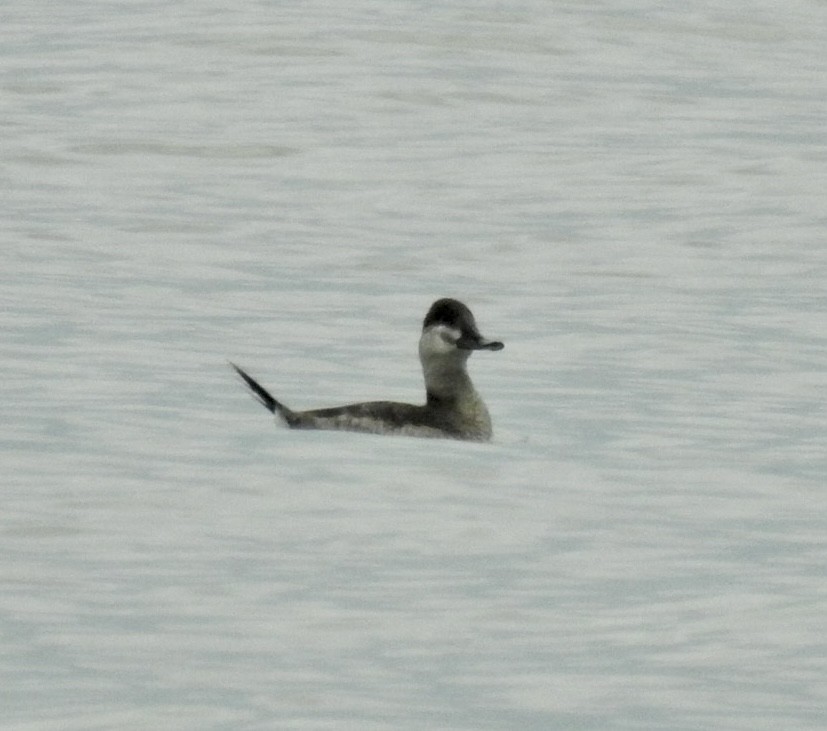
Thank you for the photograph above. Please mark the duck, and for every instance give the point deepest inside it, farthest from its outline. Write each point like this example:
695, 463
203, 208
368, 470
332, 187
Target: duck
453, 408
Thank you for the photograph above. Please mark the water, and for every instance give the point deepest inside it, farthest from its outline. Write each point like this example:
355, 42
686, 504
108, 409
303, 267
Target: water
630, 195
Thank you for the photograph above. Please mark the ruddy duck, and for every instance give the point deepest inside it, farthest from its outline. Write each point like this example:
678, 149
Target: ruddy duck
453, 410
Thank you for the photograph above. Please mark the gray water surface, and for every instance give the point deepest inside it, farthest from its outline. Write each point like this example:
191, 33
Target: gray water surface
629, 194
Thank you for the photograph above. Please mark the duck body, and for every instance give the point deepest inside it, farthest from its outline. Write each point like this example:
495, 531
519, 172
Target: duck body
453, 409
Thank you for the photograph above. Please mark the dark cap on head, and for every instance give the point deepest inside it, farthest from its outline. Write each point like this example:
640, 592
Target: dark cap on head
455, 314
449, 312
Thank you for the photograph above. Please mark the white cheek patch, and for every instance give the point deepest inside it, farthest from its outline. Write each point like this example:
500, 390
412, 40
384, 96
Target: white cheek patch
438, 341
448, 334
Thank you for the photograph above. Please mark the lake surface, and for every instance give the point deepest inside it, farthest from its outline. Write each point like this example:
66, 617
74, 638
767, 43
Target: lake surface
630, 194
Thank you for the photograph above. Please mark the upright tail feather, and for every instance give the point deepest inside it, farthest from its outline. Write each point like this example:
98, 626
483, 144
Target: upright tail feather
263, 395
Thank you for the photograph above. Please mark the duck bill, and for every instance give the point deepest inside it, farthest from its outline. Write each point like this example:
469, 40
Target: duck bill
478, 342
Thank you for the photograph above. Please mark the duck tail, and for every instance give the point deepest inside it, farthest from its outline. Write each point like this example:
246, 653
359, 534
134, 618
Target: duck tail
263, 395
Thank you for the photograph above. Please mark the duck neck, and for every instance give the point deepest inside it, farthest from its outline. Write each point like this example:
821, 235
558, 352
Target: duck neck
447, 381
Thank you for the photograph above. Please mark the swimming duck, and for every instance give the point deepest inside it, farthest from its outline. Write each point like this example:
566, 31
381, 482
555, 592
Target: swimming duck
453, 409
